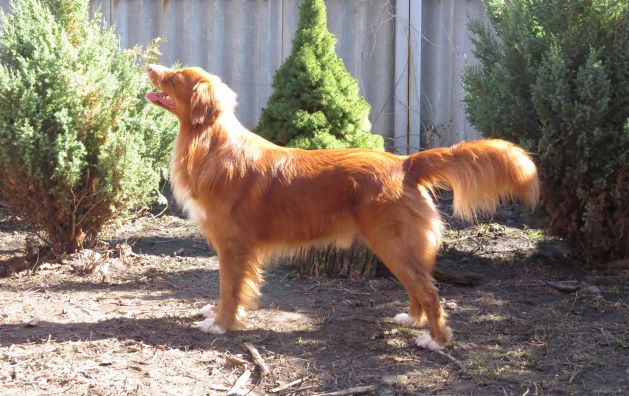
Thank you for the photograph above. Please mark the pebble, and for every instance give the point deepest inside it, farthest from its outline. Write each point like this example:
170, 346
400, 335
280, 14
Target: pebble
451, 305
32, 323
48, 266
394, 379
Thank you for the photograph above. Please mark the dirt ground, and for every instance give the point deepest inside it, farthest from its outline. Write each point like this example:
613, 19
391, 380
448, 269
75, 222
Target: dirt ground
128, 327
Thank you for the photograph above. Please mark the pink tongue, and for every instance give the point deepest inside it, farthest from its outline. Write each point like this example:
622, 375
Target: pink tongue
162, 99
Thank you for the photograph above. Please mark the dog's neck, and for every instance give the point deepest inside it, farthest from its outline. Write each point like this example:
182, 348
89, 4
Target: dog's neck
219, 131
223, 136
229, 124
231, 149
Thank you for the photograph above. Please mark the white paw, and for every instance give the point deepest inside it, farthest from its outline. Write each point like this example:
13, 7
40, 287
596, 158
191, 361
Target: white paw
426, 341
405, 319
208, 311
208, 326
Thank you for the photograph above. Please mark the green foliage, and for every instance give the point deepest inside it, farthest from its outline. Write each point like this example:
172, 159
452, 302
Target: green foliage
79, 146
555, 77
316, 102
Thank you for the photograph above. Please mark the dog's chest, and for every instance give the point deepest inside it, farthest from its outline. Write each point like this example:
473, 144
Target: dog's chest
181, 190
195, 211
191, 206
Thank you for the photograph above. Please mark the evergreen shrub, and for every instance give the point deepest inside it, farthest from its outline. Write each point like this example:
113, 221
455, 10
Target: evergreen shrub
79, 146
554, 76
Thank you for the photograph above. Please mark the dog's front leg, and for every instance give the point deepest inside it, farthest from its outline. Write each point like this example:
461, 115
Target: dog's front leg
240, 277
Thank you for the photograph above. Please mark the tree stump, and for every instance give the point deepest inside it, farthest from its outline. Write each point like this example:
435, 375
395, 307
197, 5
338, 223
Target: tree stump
355, 262
358, 262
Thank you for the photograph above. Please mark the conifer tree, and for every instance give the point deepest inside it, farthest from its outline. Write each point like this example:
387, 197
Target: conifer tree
316, 102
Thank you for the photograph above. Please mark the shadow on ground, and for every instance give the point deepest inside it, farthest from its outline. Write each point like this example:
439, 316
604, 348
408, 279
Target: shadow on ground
513, 332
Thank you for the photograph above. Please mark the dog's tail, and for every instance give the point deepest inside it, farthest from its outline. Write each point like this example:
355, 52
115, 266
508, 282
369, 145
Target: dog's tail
480, 173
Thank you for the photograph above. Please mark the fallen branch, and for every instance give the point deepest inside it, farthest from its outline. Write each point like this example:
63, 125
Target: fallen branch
564, 286
455, 361
350, 391
237, 388
280, 388
303, 388
257, 359
577, 370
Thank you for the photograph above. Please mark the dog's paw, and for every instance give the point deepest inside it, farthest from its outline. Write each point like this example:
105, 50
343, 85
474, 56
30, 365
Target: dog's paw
426, 341
208, 311
208, 326
405, 319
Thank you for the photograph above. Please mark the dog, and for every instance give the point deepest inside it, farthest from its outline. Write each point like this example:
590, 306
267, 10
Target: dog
254, 200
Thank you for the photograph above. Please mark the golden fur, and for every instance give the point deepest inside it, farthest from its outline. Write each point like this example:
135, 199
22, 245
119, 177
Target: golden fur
253, 199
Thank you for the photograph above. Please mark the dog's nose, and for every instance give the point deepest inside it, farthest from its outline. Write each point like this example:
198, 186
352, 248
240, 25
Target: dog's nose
156, 69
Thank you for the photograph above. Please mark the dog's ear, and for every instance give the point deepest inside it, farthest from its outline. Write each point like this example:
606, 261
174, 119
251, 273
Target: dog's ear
209, 100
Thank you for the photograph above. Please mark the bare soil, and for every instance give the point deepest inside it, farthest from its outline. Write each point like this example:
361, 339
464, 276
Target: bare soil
123, 323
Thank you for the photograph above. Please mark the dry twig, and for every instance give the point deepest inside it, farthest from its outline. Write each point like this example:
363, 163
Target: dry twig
577, 370
286, 386
219, 387
303, 388
233, 360
237, 388
455, 361
257, 359
350, 391
564, 286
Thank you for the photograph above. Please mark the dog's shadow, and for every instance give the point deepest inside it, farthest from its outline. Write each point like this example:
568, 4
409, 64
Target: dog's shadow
335, 327
363, 306
328, 306
337, 319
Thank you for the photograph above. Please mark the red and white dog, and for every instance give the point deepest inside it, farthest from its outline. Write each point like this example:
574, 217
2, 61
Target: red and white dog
253, 199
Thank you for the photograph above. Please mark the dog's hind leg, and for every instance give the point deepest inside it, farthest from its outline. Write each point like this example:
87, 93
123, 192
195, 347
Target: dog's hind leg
426, 292
408, 248
411, 271
240, 278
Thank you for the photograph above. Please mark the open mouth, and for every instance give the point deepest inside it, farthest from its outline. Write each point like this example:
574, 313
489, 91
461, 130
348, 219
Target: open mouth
161, 99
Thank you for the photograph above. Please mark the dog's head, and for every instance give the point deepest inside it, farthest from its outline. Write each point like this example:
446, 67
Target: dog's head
191, 94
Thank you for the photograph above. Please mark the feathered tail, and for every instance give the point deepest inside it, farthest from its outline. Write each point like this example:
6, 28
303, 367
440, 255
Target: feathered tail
480, 173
